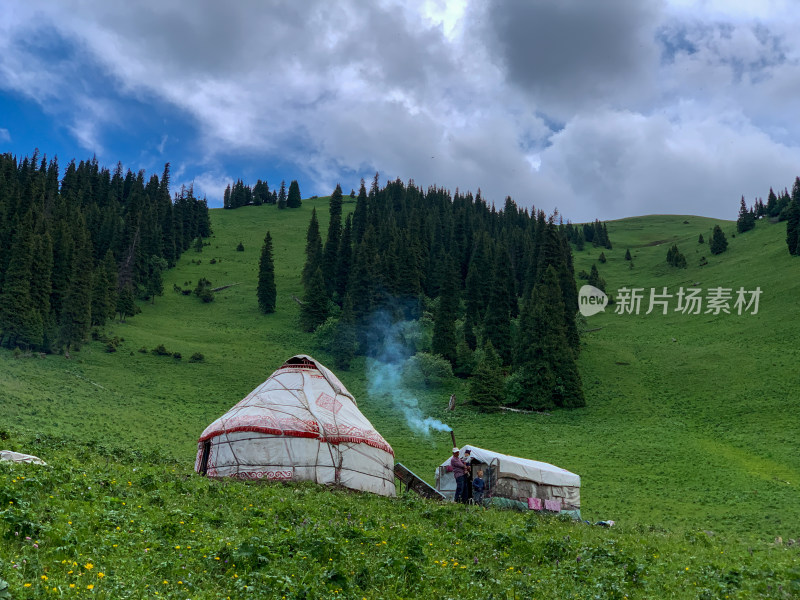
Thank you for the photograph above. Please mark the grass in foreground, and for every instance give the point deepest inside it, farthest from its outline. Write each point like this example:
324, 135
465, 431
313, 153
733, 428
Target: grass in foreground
104, 523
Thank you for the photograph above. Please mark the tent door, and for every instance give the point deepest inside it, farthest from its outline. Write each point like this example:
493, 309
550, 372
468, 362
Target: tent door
491, 477
204, 458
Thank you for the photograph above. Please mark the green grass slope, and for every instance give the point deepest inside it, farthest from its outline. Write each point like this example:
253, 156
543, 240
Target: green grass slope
121, 524
699, 411
699, 433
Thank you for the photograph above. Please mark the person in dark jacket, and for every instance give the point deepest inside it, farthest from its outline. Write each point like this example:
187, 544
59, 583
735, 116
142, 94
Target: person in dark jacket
460, 473
478, 486
467, 476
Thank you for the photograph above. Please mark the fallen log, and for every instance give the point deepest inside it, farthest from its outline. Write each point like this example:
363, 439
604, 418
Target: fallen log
526, 412
225, 287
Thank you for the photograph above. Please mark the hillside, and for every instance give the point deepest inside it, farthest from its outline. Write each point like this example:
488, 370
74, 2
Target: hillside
118, 524
699, 433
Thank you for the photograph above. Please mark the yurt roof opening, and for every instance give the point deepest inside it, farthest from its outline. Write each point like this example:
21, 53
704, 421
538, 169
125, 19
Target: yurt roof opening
301, 424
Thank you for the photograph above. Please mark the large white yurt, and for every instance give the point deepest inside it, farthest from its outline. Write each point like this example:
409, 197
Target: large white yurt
301, 424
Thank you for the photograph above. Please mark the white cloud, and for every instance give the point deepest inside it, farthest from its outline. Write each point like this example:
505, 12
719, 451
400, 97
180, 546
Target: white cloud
211, 185
621, 163
5, 136
612, 110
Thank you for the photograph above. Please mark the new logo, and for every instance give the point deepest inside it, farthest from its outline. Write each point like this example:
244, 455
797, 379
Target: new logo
591, 300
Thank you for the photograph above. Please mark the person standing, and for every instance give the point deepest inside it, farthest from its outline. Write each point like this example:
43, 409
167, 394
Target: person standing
478, 486
460, 473
467, 476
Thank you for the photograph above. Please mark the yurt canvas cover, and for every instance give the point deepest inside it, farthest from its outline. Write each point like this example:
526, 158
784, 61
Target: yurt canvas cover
301, 424
516, 478
18, 457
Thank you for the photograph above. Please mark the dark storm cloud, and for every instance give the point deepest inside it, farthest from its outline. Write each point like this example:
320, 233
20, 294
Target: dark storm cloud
572, 53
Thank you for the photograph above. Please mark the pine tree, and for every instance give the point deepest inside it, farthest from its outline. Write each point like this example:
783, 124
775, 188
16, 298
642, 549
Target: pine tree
497, 320
470, 338
595, 279
282, 196
164, 205
465, 359
345, 259
126, 306
628, 254
479, 282
444, 324
486, 385
62, 259
718, 242
409, 278
793, 220
293, 199
267, 293
261, 193
330, 255
110, 267
360, 215
17, 318
155, 280
313, 249
772, 204
345, 339
76, 313
675, 258
793, 228
602, 257
315, 309
746, 220
362, 281
783, 205
606, 240
700, 239
542, 352
41, 287
100, 296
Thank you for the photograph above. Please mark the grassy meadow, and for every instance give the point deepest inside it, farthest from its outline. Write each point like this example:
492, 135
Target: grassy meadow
116, 524
690, 430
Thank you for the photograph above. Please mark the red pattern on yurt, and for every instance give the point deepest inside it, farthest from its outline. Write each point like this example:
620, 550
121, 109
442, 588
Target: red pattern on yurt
291, 426
272, 475
343, 434
329, 402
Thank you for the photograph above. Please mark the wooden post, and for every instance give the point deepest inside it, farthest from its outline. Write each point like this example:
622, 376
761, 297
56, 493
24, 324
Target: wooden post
453, 435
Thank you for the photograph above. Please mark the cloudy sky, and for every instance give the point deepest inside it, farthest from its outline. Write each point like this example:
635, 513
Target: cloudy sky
601, 109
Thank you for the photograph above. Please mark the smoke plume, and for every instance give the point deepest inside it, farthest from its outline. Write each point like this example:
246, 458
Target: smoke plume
390, 350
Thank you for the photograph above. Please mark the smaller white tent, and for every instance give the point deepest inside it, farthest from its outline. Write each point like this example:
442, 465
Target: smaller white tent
301, 424
516, 478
